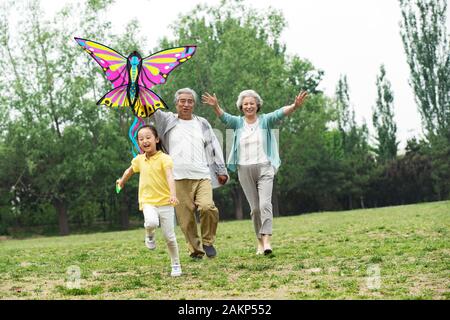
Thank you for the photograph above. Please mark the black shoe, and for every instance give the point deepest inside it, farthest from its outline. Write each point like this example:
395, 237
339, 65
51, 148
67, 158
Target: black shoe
210, 250
196, 256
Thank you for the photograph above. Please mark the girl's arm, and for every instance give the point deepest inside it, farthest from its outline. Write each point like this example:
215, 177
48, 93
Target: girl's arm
171, 181
126, 175
288, 110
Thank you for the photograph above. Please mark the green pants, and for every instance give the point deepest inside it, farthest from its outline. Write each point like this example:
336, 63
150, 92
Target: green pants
196, 195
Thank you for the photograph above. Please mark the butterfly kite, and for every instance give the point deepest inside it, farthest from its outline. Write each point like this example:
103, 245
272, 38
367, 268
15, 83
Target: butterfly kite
133, 76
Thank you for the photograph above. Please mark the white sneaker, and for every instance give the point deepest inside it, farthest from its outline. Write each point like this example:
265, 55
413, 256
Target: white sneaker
176, 270
150, 242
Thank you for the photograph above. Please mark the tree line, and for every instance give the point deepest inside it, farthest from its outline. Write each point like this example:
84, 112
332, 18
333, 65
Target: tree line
60, 154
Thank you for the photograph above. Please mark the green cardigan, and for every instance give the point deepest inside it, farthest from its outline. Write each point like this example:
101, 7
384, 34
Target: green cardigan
266, 122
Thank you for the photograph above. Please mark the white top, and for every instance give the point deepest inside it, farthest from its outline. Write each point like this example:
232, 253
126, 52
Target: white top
251, 148
187, 151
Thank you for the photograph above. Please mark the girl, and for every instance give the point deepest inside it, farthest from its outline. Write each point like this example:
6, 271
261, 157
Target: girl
157, 194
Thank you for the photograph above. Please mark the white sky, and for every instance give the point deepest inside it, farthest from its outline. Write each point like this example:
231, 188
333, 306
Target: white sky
351, 37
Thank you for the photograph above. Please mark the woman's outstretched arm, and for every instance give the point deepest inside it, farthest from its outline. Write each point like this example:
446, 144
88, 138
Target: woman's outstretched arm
299, 100
212, 101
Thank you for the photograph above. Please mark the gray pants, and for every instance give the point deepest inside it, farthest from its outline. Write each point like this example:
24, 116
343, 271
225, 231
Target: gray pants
257, 183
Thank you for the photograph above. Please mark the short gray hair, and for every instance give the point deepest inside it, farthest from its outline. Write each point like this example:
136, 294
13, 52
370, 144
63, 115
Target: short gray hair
249, 93
185, 91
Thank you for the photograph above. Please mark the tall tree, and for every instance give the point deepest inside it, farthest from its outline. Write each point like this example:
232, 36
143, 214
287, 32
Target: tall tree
427, 46
356, 160
346, 116
311, 170
62, 138
383, 119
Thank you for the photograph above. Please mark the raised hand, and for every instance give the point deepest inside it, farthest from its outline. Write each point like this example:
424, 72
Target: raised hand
210, 99
300, 99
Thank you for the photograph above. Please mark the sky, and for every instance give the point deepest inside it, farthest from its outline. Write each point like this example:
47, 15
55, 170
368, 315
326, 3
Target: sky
340, 37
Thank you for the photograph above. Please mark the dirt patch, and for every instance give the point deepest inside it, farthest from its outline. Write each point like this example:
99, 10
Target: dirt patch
29, 288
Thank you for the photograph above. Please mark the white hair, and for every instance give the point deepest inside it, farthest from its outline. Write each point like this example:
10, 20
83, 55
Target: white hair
249, 93
185, 91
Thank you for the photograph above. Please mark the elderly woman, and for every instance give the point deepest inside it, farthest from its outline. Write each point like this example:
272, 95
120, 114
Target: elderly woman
255, 155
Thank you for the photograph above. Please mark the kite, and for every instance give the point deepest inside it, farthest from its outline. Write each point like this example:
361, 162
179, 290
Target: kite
133, 76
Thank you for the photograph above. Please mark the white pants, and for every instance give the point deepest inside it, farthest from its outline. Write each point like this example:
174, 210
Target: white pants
165, 215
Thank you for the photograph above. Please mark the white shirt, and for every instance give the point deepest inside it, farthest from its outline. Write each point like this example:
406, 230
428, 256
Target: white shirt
251, 149
187, 151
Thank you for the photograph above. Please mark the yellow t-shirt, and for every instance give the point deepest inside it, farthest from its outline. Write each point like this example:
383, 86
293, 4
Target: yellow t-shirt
153, 185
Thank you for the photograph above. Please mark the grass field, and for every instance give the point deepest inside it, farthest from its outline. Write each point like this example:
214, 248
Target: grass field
388, 253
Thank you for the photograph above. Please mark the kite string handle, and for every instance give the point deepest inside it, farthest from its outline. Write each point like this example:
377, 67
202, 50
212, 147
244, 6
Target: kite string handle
118, 188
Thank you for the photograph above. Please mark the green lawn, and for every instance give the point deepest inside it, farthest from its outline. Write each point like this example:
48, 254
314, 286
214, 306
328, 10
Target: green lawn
329, 255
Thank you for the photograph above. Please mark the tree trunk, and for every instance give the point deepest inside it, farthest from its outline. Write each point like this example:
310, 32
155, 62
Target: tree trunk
103, 206
362, 202
238, 195
63, 219
124, 214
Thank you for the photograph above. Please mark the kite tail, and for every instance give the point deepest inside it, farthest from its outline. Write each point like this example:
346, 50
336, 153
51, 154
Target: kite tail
132, 133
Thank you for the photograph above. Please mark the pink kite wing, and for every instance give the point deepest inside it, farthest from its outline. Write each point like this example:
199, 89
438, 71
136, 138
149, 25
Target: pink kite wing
113, 63
156, 67
147, 103
117, 97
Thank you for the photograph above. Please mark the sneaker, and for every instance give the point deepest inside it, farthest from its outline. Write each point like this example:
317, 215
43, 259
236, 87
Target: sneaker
150, 242
176, 270
209, 250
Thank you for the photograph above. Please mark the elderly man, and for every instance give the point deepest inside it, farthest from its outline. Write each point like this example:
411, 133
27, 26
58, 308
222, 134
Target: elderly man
198, 167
